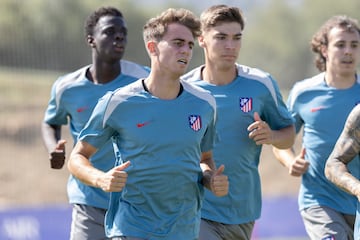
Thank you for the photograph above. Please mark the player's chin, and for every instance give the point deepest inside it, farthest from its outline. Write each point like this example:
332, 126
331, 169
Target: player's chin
221, 194
116, 53
179, 72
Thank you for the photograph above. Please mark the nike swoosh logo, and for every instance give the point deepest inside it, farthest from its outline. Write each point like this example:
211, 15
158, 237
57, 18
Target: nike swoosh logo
140, 125
81, 109
317, 109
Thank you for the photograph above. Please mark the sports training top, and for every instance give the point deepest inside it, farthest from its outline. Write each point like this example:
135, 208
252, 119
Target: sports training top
251, 91
322, 110
73, 97
163, 139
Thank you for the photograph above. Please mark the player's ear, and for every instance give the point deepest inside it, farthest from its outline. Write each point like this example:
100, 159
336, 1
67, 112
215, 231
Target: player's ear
151, 46
201, 41
323, 50
90, 41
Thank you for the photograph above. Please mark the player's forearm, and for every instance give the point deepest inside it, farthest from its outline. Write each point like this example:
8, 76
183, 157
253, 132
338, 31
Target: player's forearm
284, 138
80, 166
284, 156
50, 136
337, 172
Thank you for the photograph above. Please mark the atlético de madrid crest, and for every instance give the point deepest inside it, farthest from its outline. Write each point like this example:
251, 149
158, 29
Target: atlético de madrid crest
246, 104
195, 122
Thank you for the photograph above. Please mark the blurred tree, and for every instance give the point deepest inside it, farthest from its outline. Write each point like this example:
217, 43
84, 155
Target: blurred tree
42, 34
278, 39
49, 34
277, 43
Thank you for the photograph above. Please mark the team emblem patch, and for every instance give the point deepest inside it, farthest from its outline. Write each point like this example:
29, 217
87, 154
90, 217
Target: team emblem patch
195, 122
246, 104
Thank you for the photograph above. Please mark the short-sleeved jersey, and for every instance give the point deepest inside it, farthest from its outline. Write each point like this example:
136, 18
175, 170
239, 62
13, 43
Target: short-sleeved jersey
357, 223
251, 91
164, 140
322, 111
73, 98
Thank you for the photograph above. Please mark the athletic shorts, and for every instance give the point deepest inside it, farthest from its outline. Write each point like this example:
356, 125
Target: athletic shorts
87, 223
210, 230
323, 223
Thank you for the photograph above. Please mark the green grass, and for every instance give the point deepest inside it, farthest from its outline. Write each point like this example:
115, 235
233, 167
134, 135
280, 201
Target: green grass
25, 87
24, 95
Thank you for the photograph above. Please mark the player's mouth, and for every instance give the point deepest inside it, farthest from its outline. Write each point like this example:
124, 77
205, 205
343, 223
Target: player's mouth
347, 61
118, 47
229, 57
183, 61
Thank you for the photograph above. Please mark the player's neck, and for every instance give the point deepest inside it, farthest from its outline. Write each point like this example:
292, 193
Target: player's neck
104, 73
340, 81
219, 76
162, 88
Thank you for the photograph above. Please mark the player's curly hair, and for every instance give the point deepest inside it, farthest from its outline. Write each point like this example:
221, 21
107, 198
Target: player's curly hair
321, 37
93, 18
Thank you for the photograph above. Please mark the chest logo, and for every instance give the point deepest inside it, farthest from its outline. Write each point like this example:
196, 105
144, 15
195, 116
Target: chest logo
140, 125
316, 109
195, 122
246, 104
81, 109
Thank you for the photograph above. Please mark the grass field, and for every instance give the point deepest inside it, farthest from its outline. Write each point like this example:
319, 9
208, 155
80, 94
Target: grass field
25, 173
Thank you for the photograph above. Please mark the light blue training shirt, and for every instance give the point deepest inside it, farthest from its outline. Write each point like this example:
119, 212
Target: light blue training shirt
322, 111
73, 98
251, 91
164, 140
